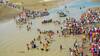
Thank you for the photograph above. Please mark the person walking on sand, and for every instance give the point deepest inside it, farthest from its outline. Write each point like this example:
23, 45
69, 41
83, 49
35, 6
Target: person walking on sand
28, 48
46, 46
71, 51
61, 47
39, 38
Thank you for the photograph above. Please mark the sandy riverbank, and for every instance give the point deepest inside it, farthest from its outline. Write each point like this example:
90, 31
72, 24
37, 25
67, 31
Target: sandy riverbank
6, 12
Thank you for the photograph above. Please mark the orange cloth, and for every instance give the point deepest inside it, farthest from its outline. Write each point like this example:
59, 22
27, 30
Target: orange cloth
93, 35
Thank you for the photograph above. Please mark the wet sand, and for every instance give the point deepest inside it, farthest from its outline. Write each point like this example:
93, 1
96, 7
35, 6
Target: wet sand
13, 40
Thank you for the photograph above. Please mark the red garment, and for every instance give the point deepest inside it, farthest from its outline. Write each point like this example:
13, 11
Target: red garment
92, 51
98, 31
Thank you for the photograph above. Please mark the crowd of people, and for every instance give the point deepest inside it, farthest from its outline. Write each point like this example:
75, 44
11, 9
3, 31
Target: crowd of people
40, 43
24, 15
28, 12
10, 4
71, 26
94, 37
77, 49
92, 32
91, 16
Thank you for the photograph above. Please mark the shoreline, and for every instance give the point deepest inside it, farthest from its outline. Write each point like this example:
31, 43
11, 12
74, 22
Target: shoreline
40, 7
6, 12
